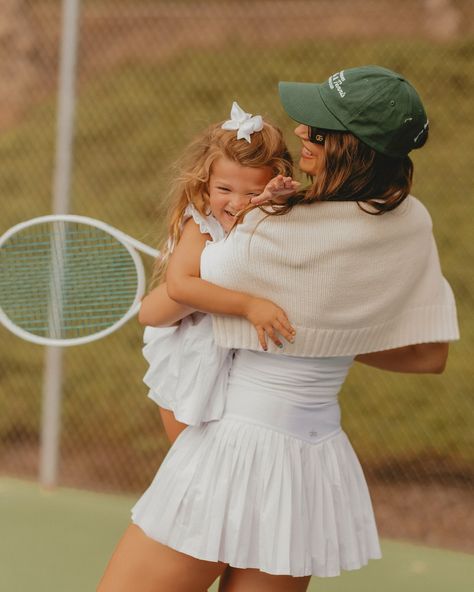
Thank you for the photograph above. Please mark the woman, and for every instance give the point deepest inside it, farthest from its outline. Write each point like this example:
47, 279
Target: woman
273, 493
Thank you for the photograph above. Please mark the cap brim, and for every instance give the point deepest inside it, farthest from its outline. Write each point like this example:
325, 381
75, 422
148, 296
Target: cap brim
303, 103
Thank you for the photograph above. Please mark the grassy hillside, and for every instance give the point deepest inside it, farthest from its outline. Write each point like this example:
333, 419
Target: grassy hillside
131, 123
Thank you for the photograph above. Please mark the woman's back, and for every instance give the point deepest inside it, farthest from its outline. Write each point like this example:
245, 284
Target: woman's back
311, 381
350, 282
293, 395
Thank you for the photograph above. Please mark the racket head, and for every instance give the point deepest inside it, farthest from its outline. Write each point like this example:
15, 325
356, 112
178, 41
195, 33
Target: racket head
67, 280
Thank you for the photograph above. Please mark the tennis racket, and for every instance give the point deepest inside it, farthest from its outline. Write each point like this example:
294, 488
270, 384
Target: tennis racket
67, 280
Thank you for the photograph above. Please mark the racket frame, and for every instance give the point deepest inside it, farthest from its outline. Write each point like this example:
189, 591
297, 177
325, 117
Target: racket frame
129, 243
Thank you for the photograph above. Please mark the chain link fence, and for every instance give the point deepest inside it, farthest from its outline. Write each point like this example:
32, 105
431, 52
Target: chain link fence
150, 75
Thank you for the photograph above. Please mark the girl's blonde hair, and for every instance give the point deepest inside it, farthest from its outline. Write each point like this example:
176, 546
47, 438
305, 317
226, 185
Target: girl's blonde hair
193, 169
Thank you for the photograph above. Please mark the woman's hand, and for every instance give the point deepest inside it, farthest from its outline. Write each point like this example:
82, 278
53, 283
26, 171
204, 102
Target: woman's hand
277, 190
268, 319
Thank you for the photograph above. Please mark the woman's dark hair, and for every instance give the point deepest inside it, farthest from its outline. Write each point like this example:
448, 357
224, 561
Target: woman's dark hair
352, 171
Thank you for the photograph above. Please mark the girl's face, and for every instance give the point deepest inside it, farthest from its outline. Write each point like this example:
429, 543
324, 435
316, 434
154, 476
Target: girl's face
231, 186
312, 155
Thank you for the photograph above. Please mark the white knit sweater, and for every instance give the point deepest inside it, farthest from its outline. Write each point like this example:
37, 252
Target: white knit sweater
349, 282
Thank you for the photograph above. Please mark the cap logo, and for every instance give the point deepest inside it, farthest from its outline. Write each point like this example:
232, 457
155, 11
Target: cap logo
335, 82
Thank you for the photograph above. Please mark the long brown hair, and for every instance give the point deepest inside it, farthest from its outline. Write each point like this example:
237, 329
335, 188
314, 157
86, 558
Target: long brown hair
192, 171
352, 171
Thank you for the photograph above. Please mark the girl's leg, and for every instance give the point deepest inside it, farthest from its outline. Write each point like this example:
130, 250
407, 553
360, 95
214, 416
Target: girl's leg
140, 564
252, 580
173, 427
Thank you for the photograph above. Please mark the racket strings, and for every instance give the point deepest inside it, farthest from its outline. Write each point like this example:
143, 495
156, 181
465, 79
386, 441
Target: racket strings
65, 279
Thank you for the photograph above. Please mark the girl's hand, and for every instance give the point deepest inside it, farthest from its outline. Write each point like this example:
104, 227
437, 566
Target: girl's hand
268, 318
277, 189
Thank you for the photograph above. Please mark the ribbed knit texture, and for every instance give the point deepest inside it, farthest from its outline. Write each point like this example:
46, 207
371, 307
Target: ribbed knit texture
349, 282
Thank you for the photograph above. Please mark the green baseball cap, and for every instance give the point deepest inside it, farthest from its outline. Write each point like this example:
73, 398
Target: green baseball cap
377, 105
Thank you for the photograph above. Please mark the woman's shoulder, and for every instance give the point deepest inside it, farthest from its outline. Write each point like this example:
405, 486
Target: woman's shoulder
337, 211
335, 218
418, 208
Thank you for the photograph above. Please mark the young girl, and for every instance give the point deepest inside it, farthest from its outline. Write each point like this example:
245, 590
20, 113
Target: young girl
217, 176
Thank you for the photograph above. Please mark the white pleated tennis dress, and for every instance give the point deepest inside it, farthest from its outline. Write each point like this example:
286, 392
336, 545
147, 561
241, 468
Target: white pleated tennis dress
275, 483
188, 372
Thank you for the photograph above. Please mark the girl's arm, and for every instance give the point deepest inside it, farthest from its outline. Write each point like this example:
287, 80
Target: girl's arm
186, 287
420, 358
158, 310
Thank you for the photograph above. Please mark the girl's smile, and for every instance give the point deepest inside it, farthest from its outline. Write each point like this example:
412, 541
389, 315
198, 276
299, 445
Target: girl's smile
231, 187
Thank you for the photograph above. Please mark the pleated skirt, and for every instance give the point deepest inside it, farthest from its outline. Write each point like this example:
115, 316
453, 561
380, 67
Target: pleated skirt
255, 497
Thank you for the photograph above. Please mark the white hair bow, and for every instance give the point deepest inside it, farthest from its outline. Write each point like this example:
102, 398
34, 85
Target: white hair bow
243, 122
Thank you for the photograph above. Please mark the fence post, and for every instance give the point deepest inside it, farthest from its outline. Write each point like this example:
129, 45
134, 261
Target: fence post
53, 366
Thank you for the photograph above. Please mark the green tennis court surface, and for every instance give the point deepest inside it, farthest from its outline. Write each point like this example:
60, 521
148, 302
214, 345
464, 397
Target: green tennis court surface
60, 541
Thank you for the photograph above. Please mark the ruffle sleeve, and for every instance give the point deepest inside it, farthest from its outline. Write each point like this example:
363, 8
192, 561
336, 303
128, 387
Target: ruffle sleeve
207, 224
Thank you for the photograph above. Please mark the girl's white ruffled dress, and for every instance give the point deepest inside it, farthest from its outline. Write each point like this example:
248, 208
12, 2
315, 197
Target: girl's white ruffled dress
188, 372
275, 483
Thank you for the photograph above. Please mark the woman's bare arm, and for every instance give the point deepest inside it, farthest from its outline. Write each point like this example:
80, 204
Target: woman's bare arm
186, 287
159, 310
421, 358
